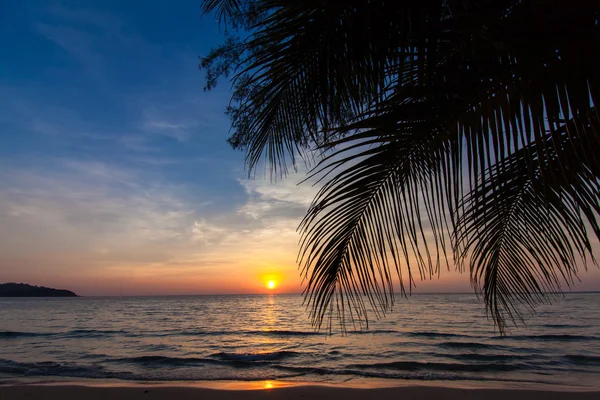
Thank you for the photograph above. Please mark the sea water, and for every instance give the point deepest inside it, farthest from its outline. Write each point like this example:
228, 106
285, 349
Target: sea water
427, 338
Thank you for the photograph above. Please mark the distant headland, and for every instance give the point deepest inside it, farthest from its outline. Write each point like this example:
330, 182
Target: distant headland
12, 289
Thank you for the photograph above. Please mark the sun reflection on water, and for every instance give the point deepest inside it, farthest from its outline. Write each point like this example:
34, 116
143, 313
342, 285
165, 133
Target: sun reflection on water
269, 314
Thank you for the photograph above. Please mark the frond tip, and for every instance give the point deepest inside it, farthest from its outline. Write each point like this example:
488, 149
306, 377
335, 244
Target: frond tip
453, 130
224, 8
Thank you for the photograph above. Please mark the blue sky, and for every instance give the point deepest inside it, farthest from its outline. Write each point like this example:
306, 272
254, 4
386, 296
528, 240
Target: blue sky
115, 174
115, 82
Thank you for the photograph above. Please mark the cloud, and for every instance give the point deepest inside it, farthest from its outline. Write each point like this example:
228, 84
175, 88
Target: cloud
105, 229
96, 18
91, 206
115, 187
174, 121
181, 131
284, 198
206, 232
90, 36
78, 43
138, 144
98, 220
112, 86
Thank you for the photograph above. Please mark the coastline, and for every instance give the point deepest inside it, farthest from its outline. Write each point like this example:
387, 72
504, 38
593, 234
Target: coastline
233, 390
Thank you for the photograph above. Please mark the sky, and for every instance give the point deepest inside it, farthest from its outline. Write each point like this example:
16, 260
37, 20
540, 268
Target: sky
115, 174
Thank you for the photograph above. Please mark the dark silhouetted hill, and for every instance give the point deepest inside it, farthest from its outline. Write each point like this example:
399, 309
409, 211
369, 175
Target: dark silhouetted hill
25, 290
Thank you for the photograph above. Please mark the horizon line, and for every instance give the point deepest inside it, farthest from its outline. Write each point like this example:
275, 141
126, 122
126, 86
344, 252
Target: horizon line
300, 294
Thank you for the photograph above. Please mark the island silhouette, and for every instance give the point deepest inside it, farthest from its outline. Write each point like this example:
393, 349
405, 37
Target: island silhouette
12, 289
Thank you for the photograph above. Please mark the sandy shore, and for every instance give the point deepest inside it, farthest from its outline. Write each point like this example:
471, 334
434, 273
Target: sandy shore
52, 392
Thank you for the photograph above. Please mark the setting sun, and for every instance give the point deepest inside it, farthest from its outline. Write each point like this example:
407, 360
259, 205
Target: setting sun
271, 281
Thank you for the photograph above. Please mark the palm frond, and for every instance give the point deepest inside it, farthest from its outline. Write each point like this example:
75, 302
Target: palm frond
524, 229
309, 74
225, 9
470, 121
368, 220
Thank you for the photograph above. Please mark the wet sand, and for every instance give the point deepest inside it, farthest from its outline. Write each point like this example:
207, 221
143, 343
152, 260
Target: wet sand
149, 392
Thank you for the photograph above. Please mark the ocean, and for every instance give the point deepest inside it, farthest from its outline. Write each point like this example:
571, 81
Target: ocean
427, 338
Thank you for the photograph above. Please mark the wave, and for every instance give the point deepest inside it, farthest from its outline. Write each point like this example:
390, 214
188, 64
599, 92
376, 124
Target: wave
373, 332
163, 360
436, 334
273, 356
156, 347
436, 366
193, 333
14, 335
553, 337
310, 370
190, 369
580, 358
415, 374
227, 333
486, 357
76, 333
94, 333
470, 345
50, 368
564, 326
282, 333
230, 359
161, 369
98, 333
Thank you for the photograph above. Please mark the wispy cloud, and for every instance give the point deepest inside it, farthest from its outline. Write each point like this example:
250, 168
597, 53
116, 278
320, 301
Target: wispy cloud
181, 131
78, 43
104, 206
207, 233
96, 18
88, 218
284, 198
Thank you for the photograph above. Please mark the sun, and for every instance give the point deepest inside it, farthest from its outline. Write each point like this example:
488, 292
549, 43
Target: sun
270, 281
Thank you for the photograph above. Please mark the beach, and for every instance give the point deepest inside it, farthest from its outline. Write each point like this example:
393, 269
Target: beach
149, 392
411, 210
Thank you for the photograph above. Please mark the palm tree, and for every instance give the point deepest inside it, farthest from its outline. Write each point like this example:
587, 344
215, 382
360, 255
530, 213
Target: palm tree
458, 133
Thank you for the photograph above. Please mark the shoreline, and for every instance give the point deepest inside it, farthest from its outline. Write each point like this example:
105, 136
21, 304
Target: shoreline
269, 390
241, 385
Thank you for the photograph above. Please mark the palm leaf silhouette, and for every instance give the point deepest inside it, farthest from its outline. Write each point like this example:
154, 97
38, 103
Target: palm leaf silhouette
457, 133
